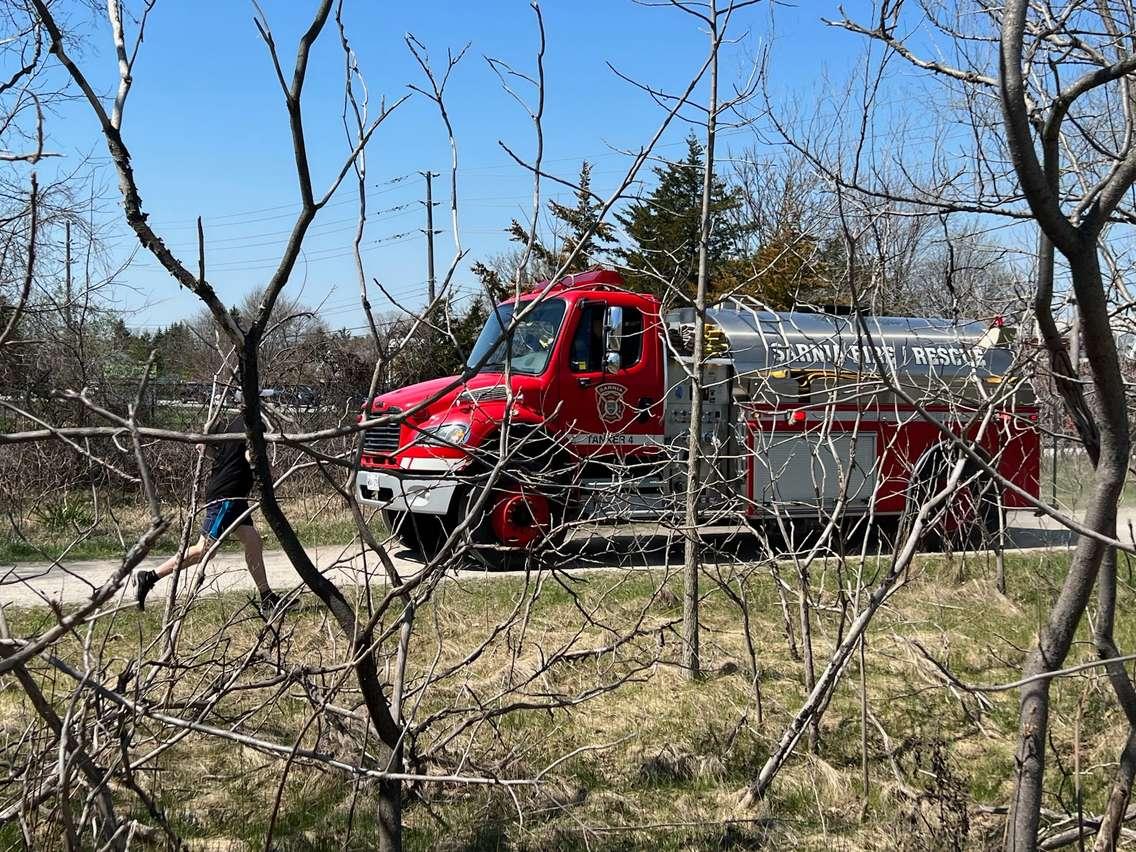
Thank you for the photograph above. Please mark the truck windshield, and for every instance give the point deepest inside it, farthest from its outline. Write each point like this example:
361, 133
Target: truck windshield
531, 343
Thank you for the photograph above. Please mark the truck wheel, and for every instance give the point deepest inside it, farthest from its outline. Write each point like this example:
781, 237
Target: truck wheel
423, 534
512, 523
523, 513
969, 518
971, 521
400, 526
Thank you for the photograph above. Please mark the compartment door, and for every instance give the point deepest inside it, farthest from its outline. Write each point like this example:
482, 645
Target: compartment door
796, 469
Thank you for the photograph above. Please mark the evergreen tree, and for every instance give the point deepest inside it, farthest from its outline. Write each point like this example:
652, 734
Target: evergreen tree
468, 326
585, 236
440, 346
181, 353
578, 234
664, 230
791, 268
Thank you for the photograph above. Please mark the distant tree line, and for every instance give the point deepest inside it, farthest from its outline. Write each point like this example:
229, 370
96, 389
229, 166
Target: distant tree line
774, 242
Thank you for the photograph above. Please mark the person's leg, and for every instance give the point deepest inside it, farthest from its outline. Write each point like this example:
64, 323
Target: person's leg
144, 580
192, 556
254, 557
270, 602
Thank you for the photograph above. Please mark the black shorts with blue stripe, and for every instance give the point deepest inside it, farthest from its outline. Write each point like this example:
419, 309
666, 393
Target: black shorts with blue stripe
219, 516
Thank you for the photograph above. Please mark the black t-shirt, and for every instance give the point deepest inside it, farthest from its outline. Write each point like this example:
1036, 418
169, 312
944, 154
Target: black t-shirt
231, 475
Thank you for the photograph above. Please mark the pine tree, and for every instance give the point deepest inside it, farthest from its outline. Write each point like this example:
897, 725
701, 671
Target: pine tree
441, 345
586, 236
664, 229
580, 239
791, 267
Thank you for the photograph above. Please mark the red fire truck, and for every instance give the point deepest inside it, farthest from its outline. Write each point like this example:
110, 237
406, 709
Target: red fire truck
576, 406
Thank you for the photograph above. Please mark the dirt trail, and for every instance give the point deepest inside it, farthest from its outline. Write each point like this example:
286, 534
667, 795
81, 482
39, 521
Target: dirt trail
37, 583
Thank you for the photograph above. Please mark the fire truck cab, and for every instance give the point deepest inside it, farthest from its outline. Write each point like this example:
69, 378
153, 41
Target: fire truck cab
576, 405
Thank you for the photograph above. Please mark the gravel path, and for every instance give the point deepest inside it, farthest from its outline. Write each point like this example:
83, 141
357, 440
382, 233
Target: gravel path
38, 583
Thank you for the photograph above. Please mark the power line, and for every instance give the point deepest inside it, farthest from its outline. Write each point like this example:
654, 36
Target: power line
322, 229
290, 208
321, 314
391, 184
312, 256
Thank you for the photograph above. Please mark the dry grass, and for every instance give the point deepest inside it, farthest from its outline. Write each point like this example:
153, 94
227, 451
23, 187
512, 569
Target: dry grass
1074, 479
677, 753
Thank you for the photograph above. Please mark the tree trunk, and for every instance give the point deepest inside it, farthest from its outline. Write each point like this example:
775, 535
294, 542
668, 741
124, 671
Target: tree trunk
691, 664
807, 647
1108, 836
1121, 793
366, 669
390, 812
97, 778
1056, 636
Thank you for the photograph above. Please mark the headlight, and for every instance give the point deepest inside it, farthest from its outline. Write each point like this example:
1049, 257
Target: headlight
448, 434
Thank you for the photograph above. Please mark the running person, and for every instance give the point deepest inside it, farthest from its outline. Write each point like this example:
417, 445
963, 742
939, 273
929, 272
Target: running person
226, 499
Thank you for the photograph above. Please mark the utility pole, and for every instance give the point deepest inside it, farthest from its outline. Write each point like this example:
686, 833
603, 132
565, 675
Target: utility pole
430, 279
67, 274
1075, 337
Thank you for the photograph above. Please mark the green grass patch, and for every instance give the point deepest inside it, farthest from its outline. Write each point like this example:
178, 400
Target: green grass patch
74, 528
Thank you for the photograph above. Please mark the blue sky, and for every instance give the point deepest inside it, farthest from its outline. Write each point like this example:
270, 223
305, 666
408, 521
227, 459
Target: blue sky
207, 129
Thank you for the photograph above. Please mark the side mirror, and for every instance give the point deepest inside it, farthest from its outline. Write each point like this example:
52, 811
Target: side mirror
613, 328
612, 362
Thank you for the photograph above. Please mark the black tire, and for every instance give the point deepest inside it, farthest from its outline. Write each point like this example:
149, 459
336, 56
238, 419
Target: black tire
967, 521
478, 534
982, 534
420, 533
399, 526
537, 465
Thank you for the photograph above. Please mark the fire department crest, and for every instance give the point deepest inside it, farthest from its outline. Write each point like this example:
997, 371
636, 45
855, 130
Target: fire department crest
609, 401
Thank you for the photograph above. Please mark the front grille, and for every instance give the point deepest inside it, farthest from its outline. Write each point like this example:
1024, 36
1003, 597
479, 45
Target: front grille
383, 440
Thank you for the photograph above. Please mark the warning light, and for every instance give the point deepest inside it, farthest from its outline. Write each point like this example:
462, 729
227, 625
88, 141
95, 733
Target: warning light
798, 416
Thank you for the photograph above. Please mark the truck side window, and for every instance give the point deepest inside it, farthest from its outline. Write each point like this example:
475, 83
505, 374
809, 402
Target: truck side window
586, 355
587, 351
631, 346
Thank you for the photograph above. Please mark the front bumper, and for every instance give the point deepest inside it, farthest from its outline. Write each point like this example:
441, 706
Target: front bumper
422, 485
